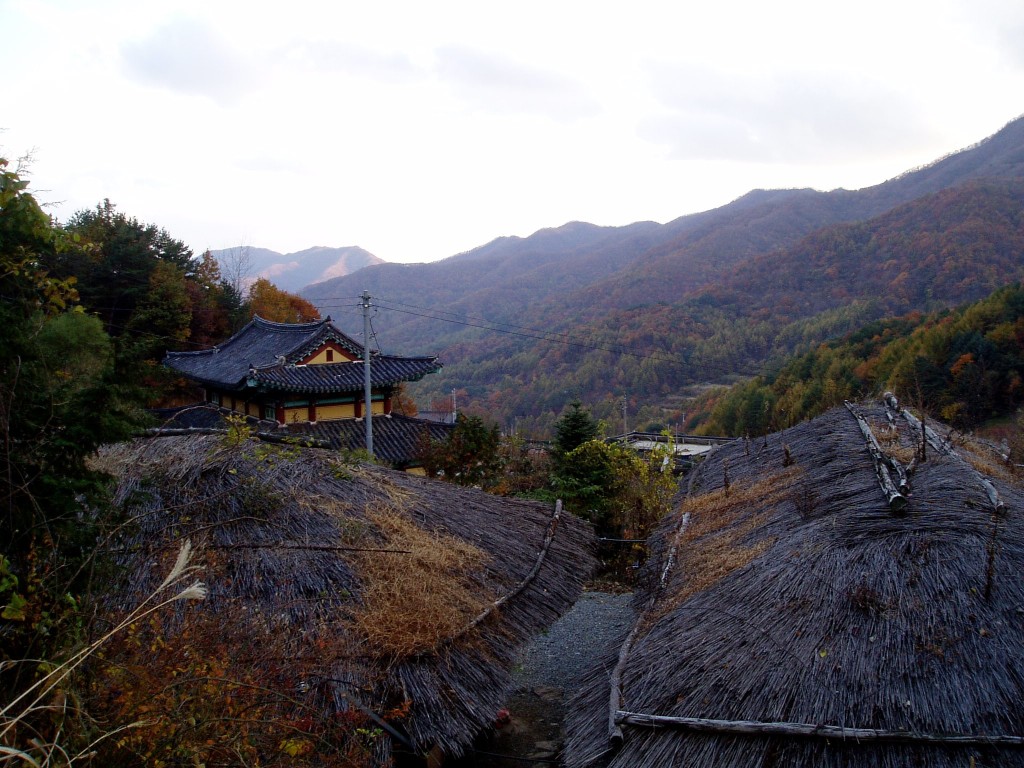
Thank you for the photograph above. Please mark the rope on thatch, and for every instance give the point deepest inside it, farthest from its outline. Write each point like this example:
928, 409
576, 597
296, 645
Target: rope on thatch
267, 437
178, 431
549, 536
757, 728
670, 561
897, 501
946, 448
310, 548
615, 736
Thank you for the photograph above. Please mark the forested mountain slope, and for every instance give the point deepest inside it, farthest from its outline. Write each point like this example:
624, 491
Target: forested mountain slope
963, 365
700, 298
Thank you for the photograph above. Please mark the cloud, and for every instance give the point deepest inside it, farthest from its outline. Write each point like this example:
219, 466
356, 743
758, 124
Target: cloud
789, 117
333, 56
501, 85
998, 25
187, 56
290, 163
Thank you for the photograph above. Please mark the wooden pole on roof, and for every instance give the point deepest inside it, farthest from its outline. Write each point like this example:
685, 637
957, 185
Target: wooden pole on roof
894, 495
834, 732
367, 396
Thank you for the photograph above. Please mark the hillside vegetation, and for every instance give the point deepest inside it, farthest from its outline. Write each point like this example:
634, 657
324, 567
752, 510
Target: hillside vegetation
964, 365
643, 312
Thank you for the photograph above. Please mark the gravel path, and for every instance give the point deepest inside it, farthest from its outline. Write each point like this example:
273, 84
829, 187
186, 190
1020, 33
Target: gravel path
597, 623
549, 673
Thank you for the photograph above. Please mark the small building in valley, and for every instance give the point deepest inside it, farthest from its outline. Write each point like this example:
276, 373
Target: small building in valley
308, 379
296, 372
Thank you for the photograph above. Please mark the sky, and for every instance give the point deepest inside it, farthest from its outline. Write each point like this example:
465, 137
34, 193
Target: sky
418, 130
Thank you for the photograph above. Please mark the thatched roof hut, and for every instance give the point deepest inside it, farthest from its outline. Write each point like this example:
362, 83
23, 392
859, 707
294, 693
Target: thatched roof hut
345, 593
825, 596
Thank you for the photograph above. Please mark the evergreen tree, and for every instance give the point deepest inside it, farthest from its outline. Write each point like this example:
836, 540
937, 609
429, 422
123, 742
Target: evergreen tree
59, 401
575, 427
113, 273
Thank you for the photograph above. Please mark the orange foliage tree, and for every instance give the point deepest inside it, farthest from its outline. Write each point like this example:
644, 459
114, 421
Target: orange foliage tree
271, 303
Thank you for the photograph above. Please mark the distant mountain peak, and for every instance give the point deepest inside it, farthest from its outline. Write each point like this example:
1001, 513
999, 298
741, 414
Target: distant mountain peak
294, 271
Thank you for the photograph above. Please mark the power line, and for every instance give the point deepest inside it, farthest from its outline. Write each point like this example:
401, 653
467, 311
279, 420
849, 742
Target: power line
554, 337
464, 319
538, 335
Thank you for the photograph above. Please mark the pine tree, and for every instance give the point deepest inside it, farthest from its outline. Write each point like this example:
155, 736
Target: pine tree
575, 427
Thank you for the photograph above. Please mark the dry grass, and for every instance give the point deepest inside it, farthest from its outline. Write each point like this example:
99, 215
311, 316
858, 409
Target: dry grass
714, 543
399, 498
986, 461
411, 602
889, 441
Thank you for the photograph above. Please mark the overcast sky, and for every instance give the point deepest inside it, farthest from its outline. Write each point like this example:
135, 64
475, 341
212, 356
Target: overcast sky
417, 130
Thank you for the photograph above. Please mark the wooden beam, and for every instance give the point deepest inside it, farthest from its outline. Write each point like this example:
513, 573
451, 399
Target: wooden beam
839, 733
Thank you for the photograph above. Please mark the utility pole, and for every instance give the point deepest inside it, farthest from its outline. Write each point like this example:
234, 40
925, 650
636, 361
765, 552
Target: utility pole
367, 397
625, 429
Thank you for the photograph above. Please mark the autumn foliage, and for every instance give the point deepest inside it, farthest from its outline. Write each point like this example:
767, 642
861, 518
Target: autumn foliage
964, 366
271, 303
205, 689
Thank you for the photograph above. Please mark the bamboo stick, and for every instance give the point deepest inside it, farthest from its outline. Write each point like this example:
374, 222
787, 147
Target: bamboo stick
615, 736
758, 728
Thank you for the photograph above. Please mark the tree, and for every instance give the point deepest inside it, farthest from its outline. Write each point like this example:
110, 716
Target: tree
163, 317
402, 402
271, 303
621, 492
114, 270
212, 306
575, 427
59, 400
469, 455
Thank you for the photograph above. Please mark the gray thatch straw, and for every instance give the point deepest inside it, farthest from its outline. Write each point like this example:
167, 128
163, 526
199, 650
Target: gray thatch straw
287, 536
806, 623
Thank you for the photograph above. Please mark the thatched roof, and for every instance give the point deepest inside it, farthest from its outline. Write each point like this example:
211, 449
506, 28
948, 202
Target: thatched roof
352, 585
787, 591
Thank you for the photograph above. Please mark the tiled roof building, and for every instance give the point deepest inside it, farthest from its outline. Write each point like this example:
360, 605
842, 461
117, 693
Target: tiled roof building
308, 378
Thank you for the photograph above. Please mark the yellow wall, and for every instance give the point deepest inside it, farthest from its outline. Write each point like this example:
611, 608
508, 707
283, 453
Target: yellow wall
321, 357
292, 415
328, 412
340, 411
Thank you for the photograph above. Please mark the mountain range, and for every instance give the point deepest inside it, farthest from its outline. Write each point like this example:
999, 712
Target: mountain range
644, 310
293, 271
